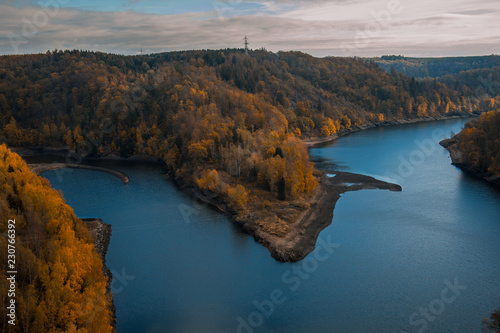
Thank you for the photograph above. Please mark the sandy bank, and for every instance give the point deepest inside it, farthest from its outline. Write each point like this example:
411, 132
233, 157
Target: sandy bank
41, 168
70, 155
303, 234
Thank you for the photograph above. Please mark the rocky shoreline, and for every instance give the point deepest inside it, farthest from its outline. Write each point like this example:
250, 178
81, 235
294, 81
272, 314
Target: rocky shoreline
101, 234
456, 159
303, 234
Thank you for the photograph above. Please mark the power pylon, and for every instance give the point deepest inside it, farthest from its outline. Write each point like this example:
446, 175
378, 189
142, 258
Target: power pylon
246, 43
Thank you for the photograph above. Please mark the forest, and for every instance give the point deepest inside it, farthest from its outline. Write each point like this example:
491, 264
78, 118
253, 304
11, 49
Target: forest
436, 67
226, 122
482, 82
60, 286
479, 143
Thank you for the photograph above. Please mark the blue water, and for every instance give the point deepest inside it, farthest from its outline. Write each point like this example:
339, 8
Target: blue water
179, 266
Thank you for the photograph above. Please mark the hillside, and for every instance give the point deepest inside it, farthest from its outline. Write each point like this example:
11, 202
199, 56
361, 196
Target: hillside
227, 125
435, 67
476, 149
481, 83
60, 286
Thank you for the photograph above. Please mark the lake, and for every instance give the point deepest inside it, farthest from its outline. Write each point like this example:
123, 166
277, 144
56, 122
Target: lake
422, 260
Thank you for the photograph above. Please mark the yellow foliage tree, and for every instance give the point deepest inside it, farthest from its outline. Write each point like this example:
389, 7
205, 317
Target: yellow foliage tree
60, 273
209, 180
238, 198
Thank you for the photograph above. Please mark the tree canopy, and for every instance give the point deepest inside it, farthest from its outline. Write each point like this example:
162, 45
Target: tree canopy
479, 143
240, 115
60, 286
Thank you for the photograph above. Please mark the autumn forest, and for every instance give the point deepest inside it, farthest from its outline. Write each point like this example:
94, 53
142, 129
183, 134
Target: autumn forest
228, 124
213, 117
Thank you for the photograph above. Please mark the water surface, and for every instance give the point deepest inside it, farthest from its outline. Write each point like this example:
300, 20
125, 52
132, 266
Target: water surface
182, 267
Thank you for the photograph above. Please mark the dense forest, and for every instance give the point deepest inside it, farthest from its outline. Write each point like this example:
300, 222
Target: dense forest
435, 67
480, 82
60, 286
221, 120
479, 144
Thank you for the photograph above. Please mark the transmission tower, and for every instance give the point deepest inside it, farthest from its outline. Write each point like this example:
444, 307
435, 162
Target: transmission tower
246, 43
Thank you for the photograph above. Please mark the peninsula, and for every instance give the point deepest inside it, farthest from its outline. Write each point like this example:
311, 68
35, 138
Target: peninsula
303, 233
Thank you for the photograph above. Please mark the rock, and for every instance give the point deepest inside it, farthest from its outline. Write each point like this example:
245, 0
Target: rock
101, 234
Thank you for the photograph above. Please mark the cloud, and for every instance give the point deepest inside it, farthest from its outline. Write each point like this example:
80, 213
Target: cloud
343, 27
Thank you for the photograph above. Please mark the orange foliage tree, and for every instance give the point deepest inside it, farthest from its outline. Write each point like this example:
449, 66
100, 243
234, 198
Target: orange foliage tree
61, 286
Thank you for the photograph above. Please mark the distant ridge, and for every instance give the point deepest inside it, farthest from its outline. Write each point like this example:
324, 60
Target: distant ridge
435, 67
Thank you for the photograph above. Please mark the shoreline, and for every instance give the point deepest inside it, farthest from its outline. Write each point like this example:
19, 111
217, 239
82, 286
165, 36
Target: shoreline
101, 235
451, 145
303, 234
43, 167
314, 141
71, 155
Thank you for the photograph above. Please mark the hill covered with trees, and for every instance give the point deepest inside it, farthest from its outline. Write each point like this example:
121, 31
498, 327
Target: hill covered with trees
477, 147
60, 286
483, 83
227, 123
435, 67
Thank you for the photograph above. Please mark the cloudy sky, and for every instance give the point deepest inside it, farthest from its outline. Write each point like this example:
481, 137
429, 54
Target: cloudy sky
318, 27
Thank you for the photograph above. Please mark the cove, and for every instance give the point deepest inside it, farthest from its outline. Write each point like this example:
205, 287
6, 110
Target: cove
388, 258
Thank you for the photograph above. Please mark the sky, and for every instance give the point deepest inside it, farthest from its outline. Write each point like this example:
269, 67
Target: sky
365, 28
